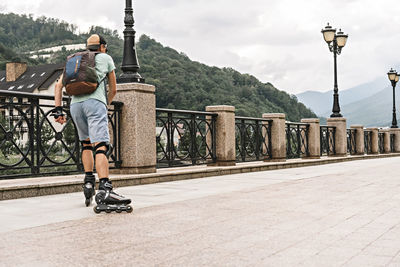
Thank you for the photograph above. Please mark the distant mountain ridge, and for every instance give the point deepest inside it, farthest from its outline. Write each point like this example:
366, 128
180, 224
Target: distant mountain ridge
321, 102
373, 111
369, 104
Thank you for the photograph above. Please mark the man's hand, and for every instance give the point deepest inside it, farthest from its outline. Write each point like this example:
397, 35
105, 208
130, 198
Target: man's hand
58, 115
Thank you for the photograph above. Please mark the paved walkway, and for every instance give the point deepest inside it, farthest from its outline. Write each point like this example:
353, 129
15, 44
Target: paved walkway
342, 214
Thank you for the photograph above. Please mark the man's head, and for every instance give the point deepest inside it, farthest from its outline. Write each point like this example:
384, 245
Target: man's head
96, 42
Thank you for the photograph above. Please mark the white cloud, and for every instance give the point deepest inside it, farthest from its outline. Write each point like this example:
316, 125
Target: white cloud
278, 41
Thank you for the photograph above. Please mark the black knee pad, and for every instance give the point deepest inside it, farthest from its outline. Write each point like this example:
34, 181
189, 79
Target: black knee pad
86, 142
101, 151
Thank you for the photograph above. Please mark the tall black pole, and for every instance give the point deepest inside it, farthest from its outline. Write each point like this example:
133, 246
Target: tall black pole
130, 63
336, 107
394, 120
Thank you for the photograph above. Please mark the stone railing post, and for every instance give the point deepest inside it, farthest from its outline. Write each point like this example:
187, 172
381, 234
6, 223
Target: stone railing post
314, 141
225, 135
374, 140
360, 147
138, 128
386, 140
396, 132
340, 135
278, 136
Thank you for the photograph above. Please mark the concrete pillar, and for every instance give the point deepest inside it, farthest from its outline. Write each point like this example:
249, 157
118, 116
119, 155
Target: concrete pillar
360, 148
314, 141
396, 132
138, 128
278, 135
386, 140
225, 134
374, 140
340, 135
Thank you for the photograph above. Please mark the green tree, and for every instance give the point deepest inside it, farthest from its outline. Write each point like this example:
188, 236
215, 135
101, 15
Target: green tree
181, 83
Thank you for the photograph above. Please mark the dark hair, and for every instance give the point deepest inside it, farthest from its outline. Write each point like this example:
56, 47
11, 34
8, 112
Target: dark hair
96, 47
102, 40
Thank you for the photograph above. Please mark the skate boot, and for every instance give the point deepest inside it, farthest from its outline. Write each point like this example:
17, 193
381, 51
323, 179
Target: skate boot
107, 200
89, 188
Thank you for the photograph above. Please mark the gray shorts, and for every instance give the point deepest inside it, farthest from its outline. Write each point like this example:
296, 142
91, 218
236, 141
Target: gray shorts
90, 118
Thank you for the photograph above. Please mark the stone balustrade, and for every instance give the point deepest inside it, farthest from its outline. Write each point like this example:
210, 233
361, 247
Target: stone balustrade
139, 147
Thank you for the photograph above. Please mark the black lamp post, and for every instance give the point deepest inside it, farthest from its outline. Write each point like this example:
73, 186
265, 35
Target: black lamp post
335, 41
394, 78
130, 63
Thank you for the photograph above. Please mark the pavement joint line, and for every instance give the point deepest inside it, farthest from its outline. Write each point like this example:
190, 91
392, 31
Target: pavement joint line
41, 186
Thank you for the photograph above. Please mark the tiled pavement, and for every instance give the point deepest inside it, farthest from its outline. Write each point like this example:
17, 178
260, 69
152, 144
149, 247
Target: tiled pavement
342, 214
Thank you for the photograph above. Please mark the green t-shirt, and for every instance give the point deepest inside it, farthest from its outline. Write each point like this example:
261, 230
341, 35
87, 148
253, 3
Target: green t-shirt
104, 65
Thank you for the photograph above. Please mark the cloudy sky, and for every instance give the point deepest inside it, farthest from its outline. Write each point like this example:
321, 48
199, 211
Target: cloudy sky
278, 41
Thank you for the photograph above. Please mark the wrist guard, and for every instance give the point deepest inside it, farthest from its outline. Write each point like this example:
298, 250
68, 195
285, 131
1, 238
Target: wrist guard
57, 112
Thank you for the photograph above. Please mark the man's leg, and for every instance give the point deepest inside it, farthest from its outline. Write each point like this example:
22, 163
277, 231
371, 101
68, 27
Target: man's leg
101, 160
87, 156
105, 185
89, 182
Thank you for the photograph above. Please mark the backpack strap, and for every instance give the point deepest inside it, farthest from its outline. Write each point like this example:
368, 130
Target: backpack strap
105, 87
102, 80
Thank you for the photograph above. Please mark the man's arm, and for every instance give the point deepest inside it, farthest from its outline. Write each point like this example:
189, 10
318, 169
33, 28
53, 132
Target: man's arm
57, 99
112, 86
58, 92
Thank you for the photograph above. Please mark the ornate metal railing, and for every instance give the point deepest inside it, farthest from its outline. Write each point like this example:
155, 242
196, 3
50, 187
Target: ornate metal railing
367, 141
185, 137
327, 140
253, 139
351, 141
33, 144
296, 140
392, 143
381, 142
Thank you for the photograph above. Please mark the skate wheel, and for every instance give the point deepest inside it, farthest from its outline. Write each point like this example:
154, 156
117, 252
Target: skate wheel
96, 209
87, 202
118, 211
129, 209
108, 211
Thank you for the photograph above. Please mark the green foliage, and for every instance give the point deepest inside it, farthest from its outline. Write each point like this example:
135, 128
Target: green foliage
180, 82
23, 33
185, 84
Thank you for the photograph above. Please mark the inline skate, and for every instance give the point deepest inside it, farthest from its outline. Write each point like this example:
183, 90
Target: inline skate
89, 188
107, 200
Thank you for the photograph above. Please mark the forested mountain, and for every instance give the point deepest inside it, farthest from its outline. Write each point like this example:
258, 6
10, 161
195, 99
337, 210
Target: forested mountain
180, 82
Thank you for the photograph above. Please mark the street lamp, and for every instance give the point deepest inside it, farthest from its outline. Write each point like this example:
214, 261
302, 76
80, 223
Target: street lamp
335, 41
130, 63
394, 78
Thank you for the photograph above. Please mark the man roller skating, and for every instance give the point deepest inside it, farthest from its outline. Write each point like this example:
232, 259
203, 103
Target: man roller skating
89, 112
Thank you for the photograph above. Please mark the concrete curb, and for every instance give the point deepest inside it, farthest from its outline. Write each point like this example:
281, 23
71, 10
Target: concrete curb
33, 187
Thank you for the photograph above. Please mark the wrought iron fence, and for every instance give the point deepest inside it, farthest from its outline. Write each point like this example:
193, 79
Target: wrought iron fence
392, 143
351, 141
381, 142
253, 139
185, 137
368, 141
297, 139
327, 140
32, 144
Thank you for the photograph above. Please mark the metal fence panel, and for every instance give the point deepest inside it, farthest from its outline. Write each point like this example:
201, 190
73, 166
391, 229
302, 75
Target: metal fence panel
296, 140
367, 141
351, 141
381, 138
392, 143
185, 137
253, 139
327, 140
32, 144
